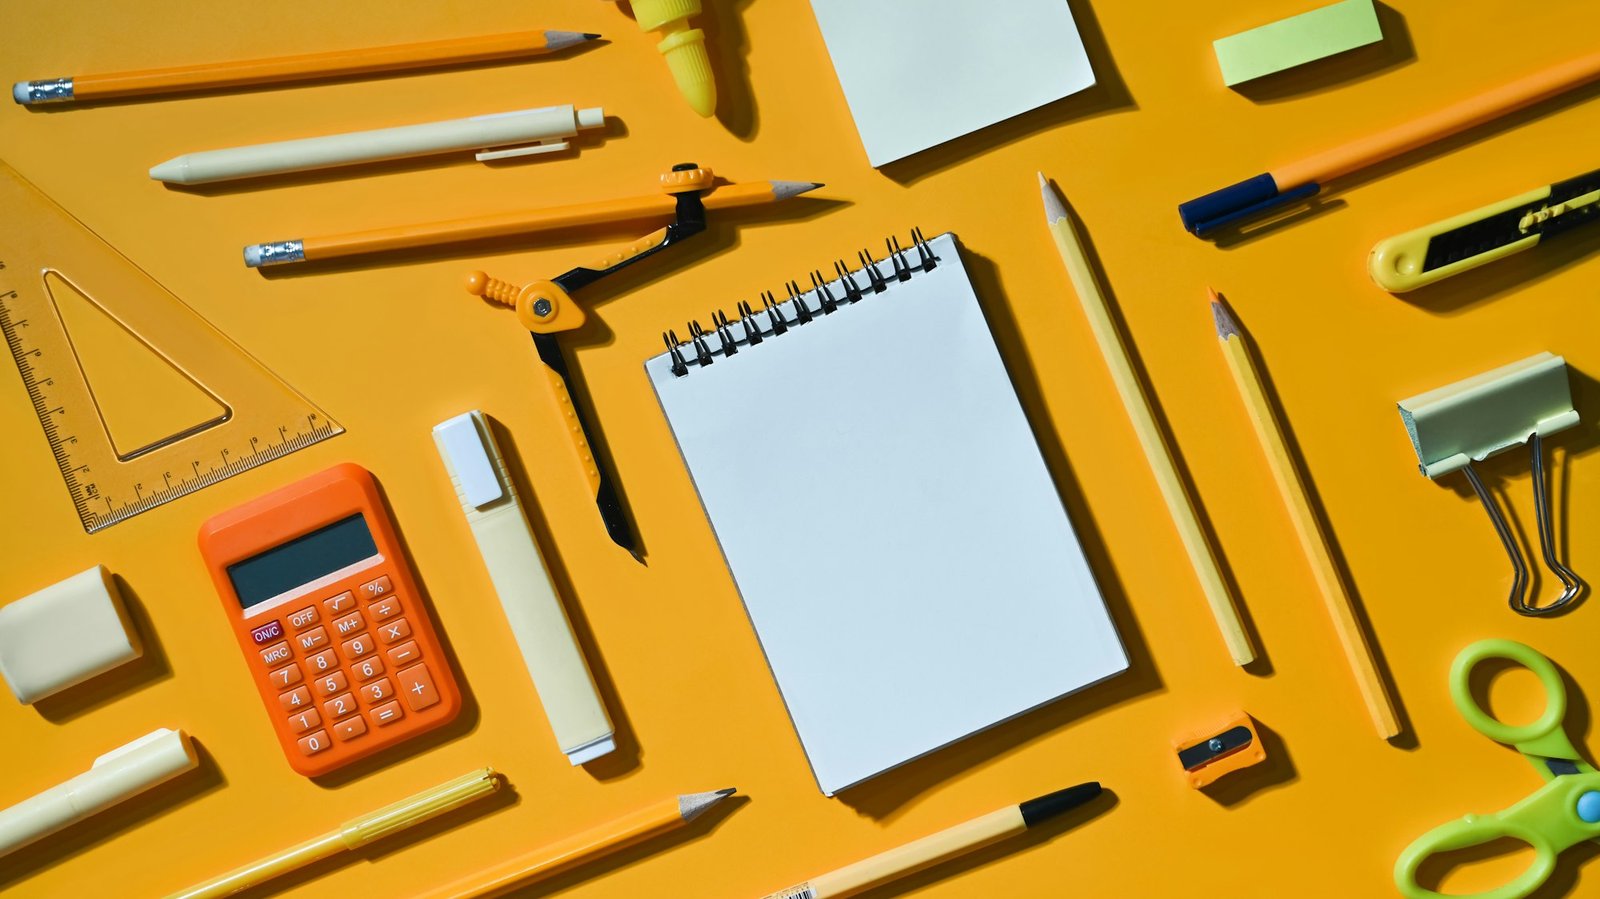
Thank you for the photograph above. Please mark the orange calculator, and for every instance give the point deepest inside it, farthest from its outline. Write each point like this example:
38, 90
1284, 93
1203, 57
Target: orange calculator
330, 620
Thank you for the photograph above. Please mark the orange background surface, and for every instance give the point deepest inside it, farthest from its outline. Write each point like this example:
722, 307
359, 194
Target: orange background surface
390, 349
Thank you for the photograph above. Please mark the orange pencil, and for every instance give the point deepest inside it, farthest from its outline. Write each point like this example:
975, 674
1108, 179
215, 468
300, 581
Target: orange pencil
528, 221
1299, 180
669, 814
278, 69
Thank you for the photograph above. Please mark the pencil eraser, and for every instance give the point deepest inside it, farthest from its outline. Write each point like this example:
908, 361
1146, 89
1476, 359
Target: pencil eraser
1297, 40
20, 93
65, 634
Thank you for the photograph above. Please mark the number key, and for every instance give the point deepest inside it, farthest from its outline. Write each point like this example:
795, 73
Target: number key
360, 646
377, 691
324, 661
340, 706
295, 699
286, 676
329, 684
304, 721
367, 669
315, 743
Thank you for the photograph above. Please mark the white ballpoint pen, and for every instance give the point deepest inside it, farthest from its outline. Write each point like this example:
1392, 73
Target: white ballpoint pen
500, 135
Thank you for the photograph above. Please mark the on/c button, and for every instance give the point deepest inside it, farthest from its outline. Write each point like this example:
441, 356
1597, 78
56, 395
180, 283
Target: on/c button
417, 685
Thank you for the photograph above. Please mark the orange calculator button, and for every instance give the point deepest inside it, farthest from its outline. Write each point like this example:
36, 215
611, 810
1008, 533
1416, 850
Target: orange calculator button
350, 728
388, 713
340, 604
360, 646
367, 669
375, 588
286, 676
340, 706
295, 700
388, 608
350, 624
331, 683
377, 691
405, 652
395, 631
323, 661
304, 721
312, 639
417, 684
303, 618
315, 743
276, 654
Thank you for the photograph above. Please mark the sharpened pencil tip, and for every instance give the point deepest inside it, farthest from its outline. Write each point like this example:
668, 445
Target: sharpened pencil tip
1227, 325
783, 190
693, 805
1054, 209
590, 36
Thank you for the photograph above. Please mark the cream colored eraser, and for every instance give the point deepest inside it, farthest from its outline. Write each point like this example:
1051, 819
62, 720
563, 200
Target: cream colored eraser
65, 634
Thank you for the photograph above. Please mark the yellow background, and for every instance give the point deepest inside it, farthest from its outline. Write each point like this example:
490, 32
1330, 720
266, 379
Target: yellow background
388, 350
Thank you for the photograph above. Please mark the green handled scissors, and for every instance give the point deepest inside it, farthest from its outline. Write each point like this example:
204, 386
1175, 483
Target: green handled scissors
1557, 816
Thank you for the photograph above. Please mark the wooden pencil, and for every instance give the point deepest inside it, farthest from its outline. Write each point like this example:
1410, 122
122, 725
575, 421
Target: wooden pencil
1179, 503
1307, 526
567, 853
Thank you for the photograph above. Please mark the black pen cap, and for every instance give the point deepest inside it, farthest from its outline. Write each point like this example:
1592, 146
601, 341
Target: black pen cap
1043, 808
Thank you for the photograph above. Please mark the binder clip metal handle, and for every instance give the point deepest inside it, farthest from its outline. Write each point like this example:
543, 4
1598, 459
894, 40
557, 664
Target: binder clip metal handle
1460, 424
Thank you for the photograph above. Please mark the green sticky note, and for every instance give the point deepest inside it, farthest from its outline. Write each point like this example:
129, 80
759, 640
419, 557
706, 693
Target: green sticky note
1297, 40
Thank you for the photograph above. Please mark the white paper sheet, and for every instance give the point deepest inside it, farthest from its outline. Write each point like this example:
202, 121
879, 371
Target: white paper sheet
920, 72
883, 506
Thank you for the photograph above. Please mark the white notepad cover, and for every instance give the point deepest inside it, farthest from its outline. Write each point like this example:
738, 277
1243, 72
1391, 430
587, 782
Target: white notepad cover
917, 73
883, 506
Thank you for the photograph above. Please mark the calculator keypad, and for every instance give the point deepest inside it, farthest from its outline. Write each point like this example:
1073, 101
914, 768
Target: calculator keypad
336, 658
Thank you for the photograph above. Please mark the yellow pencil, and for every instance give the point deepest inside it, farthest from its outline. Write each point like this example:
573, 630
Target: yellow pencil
1313, 539
934, 848
1179, 503
612, 836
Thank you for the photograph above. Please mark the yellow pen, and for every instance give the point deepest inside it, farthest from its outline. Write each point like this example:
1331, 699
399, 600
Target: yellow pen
353, 834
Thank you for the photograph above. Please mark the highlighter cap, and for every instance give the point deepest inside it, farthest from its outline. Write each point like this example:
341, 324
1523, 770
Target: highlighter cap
653, 14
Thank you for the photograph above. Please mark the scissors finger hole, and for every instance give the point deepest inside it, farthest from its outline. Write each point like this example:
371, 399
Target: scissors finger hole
1478, 869
1508, 692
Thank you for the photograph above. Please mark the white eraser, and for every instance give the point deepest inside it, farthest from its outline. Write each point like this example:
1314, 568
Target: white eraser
591, 117
252, 255
464, 449
20, 92
65, 634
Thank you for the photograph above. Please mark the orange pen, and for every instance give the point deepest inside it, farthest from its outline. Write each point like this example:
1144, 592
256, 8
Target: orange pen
278, 69
530, 221
547, 861
1304, 178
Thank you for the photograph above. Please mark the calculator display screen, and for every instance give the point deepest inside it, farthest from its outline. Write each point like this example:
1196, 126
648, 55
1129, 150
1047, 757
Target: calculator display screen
302, 560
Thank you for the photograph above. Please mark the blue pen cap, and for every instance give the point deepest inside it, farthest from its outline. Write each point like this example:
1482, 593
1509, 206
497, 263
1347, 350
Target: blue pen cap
1203, 215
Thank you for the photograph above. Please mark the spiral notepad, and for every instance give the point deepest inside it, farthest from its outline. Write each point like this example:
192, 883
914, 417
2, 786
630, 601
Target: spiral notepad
885, 511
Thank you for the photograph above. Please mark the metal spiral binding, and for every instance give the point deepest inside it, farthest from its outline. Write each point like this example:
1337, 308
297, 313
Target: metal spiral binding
826, 296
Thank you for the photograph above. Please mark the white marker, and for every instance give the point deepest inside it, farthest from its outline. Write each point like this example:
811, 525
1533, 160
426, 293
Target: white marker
120, 774
500, 135
527, 594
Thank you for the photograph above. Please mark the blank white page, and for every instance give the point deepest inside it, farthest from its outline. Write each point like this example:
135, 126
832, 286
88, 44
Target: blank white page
920, 72
883, 506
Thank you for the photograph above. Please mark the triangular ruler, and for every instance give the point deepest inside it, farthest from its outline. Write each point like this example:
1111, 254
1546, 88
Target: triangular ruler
45, 255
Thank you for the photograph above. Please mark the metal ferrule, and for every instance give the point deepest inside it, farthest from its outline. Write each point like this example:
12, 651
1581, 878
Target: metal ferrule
50, 90
277, 253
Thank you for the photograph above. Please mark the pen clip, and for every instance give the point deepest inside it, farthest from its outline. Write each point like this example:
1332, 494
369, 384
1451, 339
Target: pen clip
553, 146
